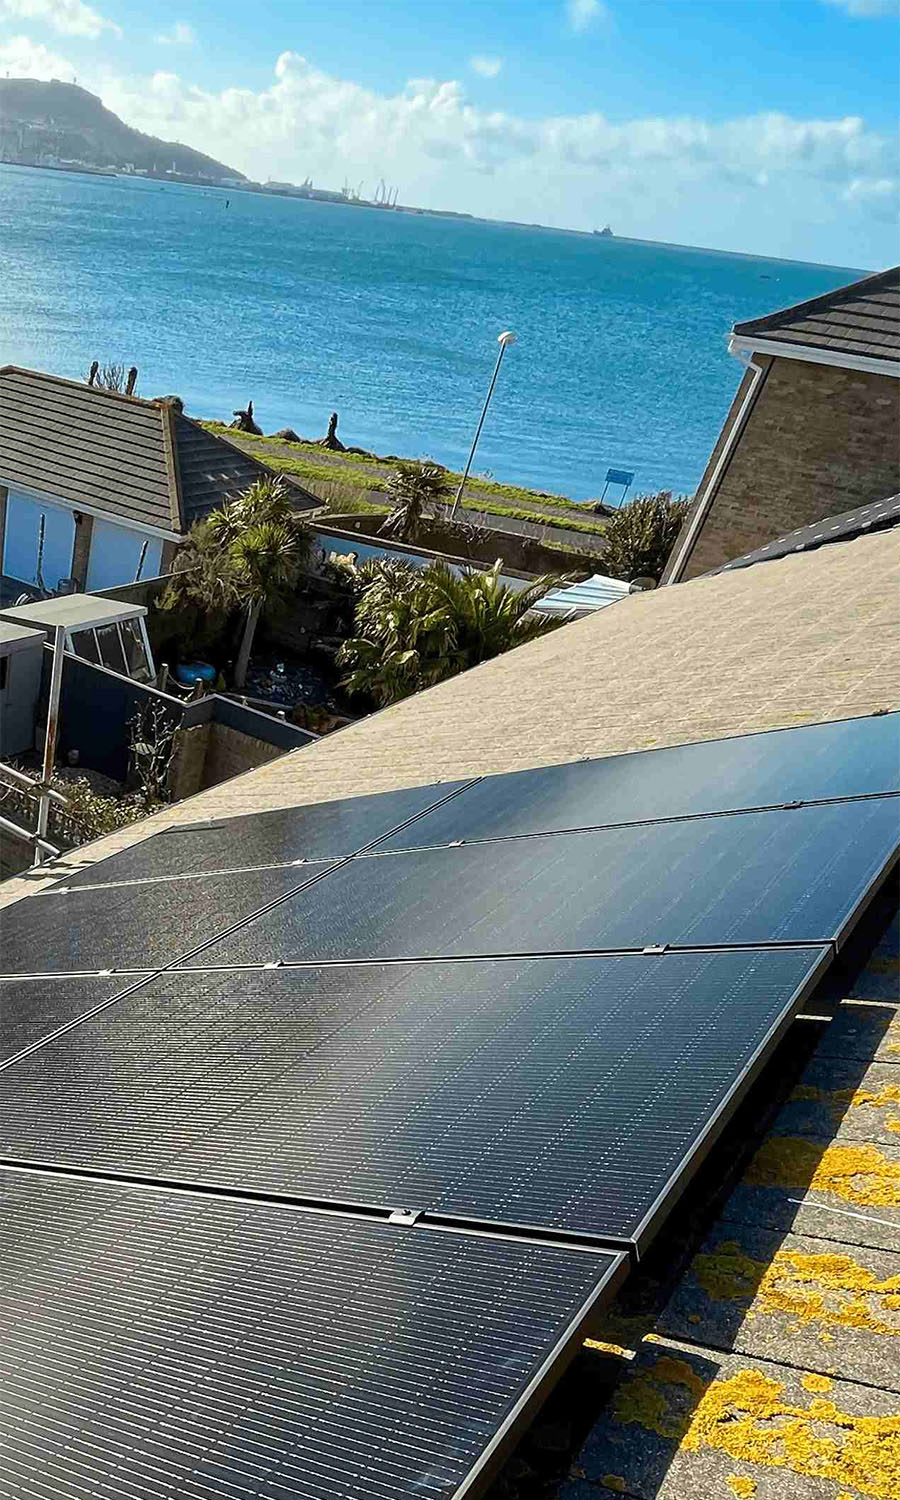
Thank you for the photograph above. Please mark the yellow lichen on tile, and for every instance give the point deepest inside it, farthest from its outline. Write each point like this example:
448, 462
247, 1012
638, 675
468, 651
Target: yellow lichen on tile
859, 1174
614, 1482
741, 1486
818, 1384
840, 1100
831, 1289
748, 1417
606, 1348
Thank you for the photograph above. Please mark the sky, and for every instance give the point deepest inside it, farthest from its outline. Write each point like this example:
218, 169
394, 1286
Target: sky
765, 126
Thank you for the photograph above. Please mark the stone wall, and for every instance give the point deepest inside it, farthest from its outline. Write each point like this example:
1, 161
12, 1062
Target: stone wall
229, 753
818, 441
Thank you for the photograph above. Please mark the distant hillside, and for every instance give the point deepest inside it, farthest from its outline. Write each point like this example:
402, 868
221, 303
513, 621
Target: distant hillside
40, 122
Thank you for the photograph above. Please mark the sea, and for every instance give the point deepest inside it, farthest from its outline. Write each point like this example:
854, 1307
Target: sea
390, 319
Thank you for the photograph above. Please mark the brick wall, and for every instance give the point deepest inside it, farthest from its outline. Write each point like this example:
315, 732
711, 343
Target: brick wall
83, 531
818, 440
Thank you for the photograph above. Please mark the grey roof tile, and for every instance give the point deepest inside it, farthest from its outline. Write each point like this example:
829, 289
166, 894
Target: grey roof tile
862, 320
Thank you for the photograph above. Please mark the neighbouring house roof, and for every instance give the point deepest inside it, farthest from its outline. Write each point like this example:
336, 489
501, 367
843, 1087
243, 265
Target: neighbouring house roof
811, 637
583, 598
859, 322
881, 515
115, 455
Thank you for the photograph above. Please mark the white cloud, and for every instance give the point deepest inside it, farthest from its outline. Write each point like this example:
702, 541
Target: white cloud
767, 182
866, 9
181, 35
581, 14
486, 67
22, 58
68, 17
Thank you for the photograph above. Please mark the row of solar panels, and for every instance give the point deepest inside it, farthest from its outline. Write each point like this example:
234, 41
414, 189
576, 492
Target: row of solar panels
331, 1228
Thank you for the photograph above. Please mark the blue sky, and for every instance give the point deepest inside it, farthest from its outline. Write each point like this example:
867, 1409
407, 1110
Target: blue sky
761, 125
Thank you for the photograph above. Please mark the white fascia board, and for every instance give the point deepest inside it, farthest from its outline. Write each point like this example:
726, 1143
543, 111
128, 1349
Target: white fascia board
143, 527
738, 344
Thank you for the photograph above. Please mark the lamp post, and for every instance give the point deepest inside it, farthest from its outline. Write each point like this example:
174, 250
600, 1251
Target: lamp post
503, 339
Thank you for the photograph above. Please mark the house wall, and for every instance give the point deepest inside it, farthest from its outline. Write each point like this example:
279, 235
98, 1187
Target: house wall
818, 441
96, 552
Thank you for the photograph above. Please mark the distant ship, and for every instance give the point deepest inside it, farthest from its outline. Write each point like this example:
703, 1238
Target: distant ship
605, 233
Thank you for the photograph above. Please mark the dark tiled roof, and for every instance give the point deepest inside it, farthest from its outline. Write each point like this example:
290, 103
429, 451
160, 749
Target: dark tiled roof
142, 461
862, 319
211, 469
878, 516
104, 451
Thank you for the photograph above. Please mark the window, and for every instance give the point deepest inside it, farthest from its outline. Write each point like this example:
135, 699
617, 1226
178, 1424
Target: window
112, 653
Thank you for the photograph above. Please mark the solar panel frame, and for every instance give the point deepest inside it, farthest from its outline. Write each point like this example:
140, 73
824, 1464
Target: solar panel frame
537, 1300
486, 1094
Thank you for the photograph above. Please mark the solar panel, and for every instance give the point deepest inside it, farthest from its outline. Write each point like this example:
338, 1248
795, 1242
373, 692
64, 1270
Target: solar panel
327, 830
31, 1008
157, 1344
845, 759
569, 1095
133, 926
796, 876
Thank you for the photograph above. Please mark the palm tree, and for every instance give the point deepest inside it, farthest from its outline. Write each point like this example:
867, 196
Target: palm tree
248, 554
413, 490
484, 615
411, 633
263, 549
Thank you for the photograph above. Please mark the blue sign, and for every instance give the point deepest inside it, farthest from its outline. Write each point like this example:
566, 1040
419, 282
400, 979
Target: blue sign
619, 476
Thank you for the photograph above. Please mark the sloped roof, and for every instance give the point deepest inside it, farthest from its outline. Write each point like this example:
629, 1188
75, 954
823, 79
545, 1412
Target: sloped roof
210, 470
97, 449
860, 321
140, 461
812, 637
879, 516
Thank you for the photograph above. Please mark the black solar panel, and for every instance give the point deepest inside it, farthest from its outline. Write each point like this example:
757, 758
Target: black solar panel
745, 878
133, 926
328, 830
31, 1008
845, 759
567, 1095
162, 1345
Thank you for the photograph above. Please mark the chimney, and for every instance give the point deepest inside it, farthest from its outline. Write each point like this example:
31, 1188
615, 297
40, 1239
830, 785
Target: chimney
92, 374
132, 381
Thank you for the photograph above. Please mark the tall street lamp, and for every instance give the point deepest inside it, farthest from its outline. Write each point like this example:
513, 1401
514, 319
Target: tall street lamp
503, 340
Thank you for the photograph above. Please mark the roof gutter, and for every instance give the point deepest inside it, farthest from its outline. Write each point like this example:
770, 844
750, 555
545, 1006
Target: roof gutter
741, 344
701, 509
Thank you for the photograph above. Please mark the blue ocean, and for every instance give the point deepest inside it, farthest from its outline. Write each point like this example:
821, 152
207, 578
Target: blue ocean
391, 320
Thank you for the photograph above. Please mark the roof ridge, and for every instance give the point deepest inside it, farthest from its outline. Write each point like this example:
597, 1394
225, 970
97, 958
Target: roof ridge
80, 385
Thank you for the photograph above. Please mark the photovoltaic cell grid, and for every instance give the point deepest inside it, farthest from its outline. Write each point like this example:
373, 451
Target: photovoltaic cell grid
511, 1092
32, 1008
123, 927
749, 878
158, 1345
850, 758
325, 831
557, 1095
